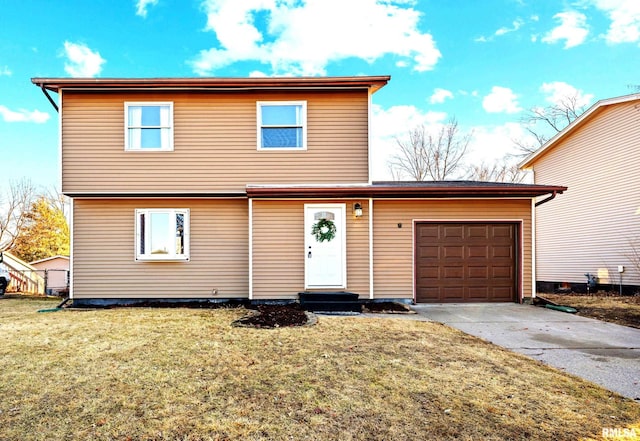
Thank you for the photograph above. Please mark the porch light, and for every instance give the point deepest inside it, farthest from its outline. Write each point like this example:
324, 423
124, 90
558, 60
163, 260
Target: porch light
357, 210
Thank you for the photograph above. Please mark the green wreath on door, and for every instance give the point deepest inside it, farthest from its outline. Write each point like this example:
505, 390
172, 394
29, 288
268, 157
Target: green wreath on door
324, 229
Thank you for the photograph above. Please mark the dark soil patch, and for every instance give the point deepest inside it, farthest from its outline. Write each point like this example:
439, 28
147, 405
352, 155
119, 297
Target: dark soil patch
623, 310
275, 316
388, 308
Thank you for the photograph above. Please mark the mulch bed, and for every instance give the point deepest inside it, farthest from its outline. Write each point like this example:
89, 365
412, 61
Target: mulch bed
276, 316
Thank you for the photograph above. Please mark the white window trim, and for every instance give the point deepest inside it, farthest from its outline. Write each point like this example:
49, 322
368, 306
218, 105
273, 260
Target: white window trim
260, 104
163, 257
128, 104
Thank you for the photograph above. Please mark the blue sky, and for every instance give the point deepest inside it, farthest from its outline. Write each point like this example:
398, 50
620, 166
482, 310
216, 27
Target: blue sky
482, 62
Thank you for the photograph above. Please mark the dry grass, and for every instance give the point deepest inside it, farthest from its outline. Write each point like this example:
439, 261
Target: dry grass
623, 310
181, 374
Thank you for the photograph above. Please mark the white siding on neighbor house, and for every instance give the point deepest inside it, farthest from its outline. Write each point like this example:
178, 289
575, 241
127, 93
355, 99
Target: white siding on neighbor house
595, 225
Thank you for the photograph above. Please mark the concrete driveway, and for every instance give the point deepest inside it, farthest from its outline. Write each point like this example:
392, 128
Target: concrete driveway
604, 353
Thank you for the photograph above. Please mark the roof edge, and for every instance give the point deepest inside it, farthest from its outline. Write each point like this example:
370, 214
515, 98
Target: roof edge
405, 190
527, 163
223, 83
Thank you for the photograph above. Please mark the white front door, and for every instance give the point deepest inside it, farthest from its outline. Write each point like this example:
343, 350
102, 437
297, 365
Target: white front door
325, 250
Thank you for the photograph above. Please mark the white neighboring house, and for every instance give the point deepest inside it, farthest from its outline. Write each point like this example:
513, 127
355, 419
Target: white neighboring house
595, 227
55, 271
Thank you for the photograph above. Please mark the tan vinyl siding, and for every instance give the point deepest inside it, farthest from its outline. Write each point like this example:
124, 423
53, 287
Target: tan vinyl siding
393, 246
588, 229
215, 143
279, 254
104, 263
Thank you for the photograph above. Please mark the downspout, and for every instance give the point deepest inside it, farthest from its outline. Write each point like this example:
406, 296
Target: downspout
53, 103
553, 195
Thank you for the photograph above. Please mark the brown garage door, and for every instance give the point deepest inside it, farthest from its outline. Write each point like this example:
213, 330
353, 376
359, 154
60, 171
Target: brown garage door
465, 262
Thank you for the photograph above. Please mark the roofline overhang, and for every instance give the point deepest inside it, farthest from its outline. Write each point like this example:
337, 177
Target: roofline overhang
401, 192
527, 163
372, 83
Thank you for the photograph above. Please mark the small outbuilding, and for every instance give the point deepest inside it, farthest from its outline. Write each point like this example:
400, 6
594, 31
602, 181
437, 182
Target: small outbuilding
55, 272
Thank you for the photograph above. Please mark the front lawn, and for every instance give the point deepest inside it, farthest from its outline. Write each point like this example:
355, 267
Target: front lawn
186, 374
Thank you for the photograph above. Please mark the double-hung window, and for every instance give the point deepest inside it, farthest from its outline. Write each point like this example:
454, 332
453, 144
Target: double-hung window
162, 234
282, 125
149, 126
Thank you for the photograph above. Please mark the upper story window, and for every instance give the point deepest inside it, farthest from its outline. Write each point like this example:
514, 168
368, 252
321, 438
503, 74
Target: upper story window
162, 234
282, 125
149, 126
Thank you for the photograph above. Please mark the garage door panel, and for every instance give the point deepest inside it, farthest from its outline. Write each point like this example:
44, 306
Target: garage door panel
452, 233
478, 272
502, 251
502, 272
478, 293
429, 251
452, 251
466, 262
429, 272
481, 251
477, 231
430, 232
451, 293
453, 272
502, 231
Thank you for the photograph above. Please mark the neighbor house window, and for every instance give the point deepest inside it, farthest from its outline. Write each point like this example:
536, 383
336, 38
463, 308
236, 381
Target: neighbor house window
148, 126
162, 234
282, 125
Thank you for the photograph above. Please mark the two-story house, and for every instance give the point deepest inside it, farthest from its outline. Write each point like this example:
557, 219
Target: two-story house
259, 188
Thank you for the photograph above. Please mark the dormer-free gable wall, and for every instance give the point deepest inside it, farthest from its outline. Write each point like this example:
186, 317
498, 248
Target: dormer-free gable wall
214, 142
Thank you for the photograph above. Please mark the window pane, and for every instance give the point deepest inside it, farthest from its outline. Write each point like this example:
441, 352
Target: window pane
160, 233
135, 116
282, 115
282, 137
151, 116
179, 233
150, 138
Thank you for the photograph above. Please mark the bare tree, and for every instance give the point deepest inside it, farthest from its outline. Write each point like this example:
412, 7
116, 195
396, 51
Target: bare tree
430, 156
503, 171
14, 206
542, 123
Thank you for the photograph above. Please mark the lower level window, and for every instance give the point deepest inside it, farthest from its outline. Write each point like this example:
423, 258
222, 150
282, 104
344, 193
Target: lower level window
162, 234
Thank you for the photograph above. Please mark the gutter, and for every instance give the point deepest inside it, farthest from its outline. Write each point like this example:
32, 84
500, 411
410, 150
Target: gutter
53, 103
553, 195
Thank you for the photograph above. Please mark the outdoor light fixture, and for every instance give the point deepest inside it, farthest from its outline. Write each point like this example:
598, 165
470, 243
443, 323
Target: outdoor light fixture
357, 209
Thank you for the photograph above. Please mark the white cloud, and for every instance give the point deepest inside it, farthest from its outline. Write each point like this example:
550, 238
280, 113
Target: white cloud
490, 144
142, 5
557, 92
389, 124
5, 71
302, 37
515, 25
625, 19
82, 61
573, 29
440, 95
23, 115
501, 100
